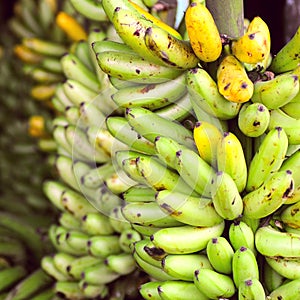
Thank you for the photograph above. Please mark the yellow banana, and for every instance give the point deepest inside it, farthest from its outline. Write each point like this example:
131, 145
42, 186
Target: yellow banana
203, 32
233, 81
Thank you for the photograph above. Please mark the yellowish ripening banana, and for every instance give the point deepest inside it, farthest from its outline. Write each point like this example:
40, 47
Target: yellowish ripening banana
202, 32
254, 46
233, 81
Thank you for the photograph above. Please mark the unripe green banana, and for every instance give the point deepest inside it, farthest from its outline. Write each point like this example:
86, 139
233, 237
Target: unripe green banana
287, 58
231, 159
290, 215
150, 125
284, 244
77, 240
220, 254
183, 266
292, 108
179, 290
149, 291
270, 278
108, 45
241, 235
90, 9
10, 276
127, 238
244, 266
251, 289
276, 92
291, 126
288, 291
226, 198
169, 50
122, 263
47, 263
62, 261
205, 95
91, 291
195, 211
185, 239
139, 193
96, 224
268, 158
288, 267
101, 245
266, 199
68, 221
253, 119
214, 285
145, 231
68, 289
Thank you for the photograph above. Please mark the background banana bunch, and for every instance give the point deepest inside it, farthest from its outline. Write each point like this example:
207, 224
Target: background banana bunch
177, 152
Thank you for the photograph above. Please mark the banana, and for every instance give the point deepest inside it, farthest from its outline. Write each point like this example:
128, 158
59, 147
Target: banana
290, 125
149, 291
27, 55
45, 294
288, 291
10, 276
103, 245
195, 211
77, 240
204, 94
220, 254
109, 45
251, 289
202, 173
244, 266
68, 221
202, 32
214, 285
287, 58
29, 19
254, 46
62, 261
241, 235
127, 238
207, 137
43, 92
90, 9
118, 64
183, 266
266, 199
276, 92
233, 81
288, 267
61, 96
289, 215
179, 290
96, 224
253, 119
171, 51
122, 263
268, 158
69, 25
185, 239
68, 289
292, 108
145, 231
270, 278
82, 50
43, 76
150, 125
75, 69
48, 266
284, 244
148, 214
139, 193
151, 96
231, 159
91, 291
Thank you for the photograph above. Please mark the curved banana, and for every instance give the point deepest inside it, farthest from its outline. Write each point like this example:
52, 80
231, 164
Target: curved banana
253, 119
195, 211
271, 279
103, 245
254, 46
220, 254
289, 290
231, 159
96, 224
233, 81
290, 215
276, 92
251, 289
90, 9
185, 239
214, 285
266, 199
204, 94
226, 198
284, 244
122, 263
139, 193
202, 32
149, 291
268, 158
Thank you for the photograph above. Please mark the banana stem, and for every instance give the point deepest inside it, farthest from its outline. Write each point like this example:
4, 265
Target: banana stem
228, 15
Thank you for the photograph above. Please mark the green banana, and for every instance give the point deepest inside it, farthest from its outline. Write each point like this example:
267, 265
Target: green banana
102, 246
284, 244
10, 276
291, 126
122, 263
90, 9
139, 193
253, 119
82, 50
62, 262
251, 289
241, 235
145, 231
276, 92
151, 96
171, 51
127, 238
288, 291
244, 266
179, 290
204, 94
61, 140
268, 158
47, 263
91, 291
149, 291
266, 199
183, 266
109, 45
195, 211
287, 58
150, 125
270, 278
290, 216
68, 289
220, 254
96, 224
214, 285
185, 239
